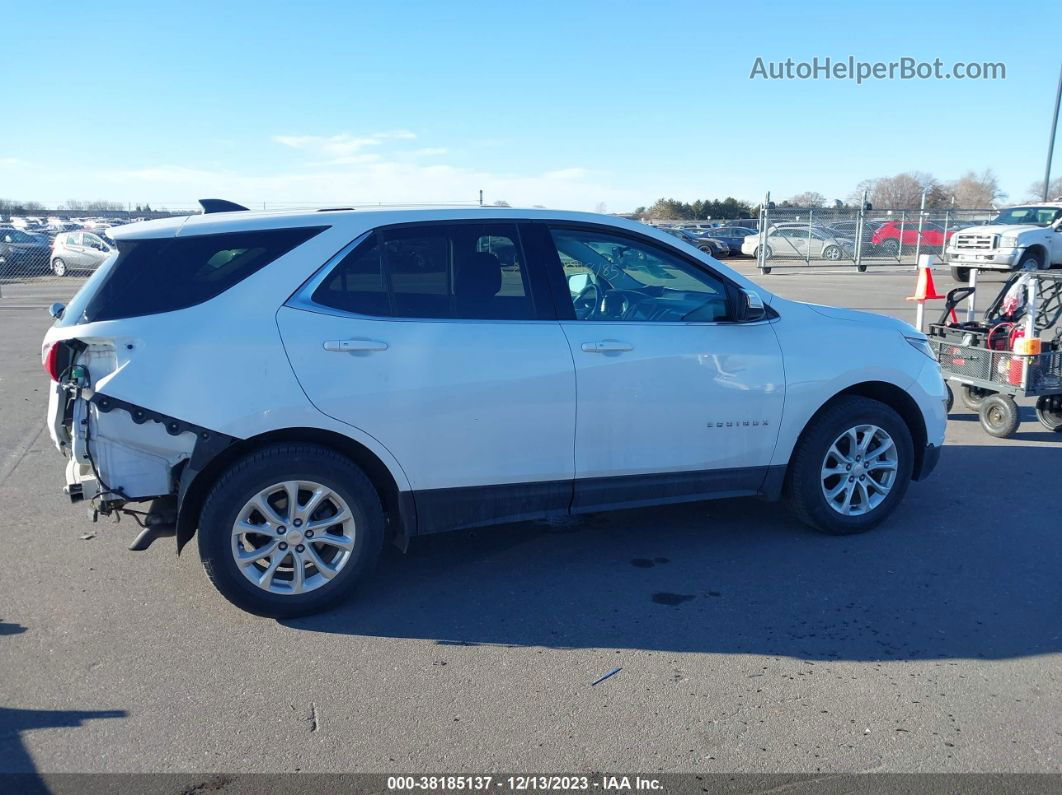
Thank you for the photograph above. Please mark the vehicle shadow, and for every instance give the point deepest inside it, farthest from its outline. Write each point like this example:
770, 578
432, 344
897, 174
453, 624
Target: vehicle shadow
966, 568
16, 764
18, 773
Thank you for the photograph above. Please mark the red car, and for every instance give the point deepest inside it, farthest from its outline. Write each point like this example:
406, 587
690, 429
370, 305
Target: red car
888, 237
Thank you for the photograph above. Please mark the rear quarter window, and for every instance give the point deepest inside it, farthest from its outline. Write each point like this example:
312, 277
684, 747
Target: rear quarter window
152, 276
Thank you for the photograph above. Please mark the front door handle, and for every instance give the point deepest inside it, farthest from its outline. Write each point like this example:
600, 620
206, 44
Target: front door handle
354, 346
607, 346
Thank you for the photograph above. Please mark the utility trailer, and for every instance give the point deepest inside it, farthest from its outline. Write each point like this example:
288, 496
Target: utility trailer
1002, 357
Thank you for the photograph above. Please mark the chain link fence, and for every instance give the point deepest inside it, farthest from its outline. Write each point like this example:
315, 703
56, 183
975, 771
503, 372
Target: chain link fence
800, 237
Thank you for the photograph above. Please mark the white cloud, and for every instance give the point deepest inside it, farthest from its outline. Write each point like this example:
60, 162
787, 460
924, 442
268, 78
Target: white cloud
427, 151
335, 170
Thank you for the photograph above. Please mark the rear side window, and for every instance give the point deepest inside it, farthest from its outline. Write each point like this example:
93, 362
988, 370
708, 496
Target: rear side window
460, 271
153, 276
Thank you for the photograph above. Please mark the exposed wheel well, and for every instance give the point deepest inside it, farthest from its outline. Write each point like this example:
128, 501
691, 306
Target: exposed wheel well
401, 518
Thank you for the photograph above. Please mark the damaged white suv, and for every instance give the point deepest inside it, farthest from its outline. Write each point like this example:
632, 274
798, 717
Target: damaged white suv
299, 388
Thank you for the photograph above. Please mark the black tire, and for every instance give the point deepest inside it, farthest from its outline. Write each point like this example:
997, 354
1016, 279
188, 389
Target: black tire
804, 484
999, 415
276, 464
1031, 260
861, 268
961, 275
890, 248
59, 267
1049, 412
951, 396
832, 253
974, 396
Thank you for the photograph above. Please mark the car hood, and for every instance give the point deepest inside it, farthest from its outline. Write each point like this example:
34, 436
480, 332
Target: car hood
871, 319
998, 229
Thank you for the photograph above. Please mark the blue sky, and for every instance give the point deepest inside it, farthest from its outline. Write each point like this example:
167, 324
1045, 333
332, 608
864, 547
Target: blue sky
566, 104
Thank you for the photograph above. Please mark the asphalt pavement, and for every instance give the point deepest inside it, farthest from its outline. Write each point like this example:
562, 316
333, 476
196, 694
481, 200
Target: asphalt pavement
743, 640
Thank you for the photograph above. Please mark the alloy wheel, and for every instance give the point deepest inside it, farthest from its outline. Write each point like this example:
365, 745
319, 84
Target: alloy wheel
293, 537
859, 470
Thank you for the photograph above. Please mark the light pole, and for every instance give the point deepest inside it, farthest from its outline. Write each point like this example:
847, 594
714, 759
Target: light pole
1054, 127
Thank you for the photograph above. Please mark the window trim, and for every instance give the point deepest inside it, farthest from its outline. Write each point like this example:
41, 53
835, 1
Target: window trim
538, 291
562, 297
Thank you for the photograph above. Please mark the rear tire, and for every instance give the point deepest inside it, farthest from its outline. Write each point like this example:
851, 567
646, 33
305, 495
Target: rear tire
832, 253
310, 467
890, 247
999, 415
1049, 412
807, 483
951, 396
59, 267
974, 396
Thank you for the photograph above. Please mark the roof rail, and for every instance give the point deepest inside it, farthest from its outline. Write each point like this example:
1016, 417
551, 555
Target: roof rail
220, 206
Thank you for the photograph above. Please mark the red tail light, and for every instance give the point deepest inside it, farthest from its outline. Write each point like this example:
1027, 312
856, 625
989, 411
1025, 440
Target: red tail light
50, 361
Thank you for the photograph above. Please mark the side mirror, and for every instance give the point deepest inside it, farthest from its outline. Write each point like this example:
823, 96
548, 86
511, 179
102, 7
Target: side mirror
750, 307
578, 282
56, 310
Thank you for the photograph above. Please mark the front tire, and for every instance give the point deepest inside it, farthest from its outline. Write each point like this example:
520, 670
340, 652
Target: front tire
961, 275
290, 530
851, 467
999, 415
1033, 261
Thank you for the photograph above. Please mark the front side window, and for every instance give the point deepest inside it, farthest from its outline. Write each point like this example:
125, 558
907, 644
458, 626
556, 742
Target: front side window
457, 271
616, 278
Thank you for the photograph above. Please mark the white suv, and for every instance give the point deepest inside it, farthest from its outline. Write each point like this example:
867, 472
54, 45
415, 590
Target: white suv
300, 387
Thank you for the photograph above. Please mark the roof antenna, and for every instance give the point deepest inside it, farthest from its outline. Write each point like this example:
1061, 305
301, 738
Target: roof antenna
220, 206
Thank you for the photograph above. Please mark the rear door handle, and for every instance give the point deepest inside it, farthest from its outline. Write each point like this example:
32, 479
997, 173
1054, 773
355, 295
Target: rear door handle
354, 346
607, 346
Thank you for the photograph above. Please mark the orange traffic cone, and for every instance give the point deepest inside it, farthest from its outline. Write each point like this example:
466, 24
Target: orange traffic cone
925, 290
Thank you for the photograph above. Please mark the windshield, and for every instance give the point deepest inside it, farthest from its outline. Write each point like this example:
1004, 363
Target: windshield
1038, 216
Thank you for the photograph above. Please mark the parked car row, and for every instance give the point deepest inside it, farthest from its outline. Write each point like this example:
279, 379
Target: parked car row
834, 240
62, 248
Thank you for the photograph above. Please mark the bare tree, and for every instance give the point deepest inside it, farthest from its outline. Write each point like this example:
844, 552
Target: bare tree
1054, 190
903, 191
808, 198
976, 191
601, 207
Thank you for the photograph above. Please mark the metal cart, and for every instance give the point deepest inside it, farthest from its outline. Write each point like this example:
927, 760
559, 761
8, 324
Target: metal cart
1002, 357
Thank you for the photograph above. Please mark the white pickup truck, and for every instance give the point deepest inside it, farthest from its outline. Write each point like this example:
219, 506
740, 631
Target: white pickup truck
1021, 237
